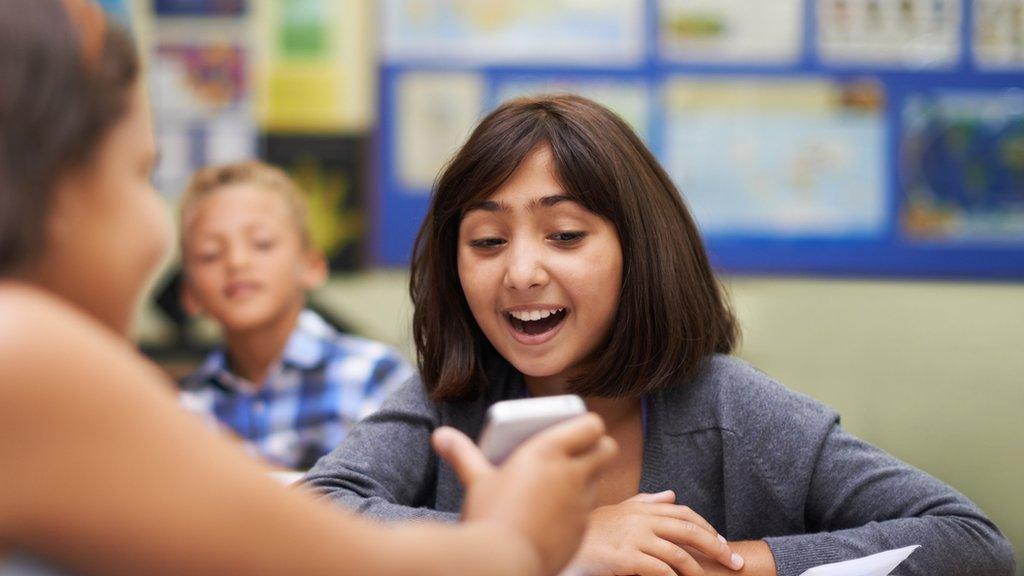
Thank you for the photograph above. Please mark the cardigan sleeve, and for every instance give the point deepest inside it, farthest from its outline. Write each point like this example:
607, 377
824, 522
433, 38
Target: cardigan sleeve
385, 467
861, 500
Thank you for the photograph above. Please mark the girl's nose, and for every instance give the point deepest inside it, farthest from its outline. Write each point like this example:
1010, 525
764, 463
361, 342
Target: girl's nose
525, 269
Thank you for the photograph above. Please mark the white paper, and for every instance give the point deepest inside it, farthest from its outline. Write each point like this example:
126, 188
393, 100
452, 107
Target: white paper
880, 564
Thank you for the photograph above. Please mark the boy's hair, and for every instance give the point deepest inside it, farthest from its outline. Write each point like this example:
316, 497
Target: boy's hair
672, 312
209, 180
66, 76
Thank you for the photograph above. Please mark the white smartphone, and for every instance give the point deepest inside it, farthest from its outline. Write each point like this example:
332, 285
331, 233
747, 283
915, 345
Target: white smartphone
511, 422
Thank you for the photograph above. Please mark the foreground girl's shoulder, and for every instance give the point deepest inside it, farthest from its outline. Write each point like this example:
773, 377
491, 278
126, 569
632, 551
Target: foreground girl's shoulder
41, 335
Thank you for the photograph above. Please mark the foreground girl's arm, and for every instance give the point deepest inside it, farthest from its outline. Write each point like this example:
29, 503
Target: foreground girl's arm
103, 474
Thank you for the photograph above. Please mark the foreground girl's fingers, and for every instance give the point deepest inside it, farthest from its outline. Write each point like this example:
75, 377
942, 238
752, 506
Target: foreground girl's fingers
572, 437
461, 453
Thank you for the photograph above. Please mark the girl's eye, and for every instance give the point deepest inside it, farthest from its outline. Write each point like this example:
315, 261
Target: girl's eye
567, 238
486, 243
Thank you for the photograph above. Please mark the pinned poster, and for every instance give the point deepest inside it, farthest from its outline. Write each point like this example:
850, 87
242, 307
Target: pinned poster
999, 34
315, 68
199, 78
328, 171
436, 112
630, 99
595, 32
962, 167
731, 31
763, 157
908, 34
201, 106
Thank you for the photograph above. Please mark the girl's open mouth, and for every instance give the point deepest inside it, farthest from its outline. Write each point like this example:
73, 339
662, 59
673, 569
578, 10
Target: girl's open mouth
535, 323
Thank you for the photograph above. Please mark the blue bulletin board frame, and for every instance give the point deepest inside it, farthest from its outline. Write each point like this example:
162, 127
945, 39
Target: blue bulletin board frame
398, 210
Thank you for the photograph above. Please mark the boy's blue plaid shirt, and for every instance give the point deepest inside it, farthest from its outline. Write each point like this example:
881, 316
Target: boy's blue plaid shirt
324, 383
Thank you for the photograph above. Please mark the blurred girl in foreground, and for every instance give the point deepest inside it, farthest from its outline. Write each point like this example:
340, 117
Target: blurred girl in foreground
101, 472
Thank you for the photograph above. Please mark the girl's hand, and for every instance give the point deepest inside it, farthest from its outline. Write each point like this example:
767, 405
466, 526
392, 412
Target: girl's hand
543, 493
649, 535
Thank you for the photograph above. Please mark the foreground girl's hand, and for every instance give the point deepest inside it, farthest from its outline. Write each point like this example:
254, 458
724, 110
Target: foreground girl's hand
649, 535
543, 492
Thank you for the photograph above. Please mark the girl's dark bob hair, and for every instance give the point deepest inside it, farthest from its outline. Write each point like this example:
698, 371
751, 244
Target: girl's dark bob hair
672, 314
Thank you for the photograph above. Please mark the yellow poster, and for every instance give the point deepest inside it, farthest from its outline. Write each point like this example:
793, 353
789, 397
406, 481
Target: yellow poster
315, 70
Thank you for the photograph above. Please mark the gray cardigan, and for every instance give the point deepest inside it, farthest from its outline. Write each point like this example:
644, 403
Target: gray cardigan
755, 459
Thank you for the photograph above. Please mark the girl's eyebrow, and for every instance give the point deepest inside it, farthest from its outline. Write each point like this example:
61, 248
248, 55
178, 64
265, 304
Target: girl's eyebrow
543, 202
549, 201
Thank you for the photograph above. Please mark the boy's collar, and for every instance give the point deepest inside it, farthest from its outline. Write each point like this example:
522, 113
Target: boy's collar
215, 363
305, 348
214, 370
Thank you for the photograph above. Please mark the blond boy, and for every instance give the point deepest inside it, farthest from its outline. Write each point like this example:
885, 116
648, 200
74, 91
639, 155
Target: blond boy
285, 382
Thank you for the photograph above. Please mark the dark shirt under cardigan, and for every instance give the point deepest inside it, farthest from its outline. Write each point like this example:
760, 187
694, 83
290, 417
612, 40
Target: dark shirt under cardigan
757, 460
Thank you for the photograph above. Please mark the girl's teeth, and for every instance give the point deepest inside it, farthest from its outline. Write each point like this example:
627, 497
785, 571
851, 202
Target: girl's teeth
531, 315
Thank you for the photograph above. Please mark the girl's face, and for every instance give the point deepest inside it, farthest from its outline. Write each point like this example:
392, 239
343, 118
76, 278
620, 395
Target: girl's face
107, 228
542, 275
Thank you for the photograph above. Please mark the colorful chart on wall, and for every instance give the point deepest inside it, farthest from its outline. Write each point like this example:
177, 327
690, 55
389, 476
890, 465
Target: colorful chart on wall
820, 137
436, 113
630, 100
962, 165
731, 30
315, 66
906, 33
328, 171
200, 89
596, 32
775, 157
999, 34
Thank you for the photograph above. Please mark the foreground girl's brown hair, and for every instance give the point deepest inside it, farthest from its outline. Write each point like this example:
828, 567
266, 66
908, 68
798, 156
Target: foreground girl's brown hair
68, 75
672, 312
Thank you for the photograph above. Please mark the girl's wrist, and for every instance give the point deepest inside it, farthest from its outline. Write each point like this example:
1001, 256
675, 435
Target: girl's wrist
467, 548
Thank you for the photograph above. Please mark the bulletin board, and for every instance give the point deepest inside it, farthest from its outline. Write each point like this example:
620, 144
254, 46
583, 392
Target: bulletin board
816, 137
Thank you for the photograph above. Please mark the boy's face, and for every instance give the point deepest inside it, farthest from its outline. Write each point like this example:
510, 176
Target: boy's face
244, 261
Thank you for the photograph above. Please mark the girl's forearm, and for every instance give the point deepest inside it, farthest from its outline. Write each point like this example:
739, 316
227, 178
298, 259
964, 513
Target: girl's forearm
471, 548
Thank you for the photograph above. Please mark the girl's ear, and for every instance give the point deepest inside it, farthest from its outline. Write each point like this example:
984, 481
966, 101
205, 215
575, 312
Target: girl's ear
189, 302
314, 269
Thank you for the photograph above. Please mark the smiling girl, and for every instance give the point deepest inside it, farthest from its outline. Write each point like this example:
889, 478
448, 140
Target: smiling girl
558, 257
